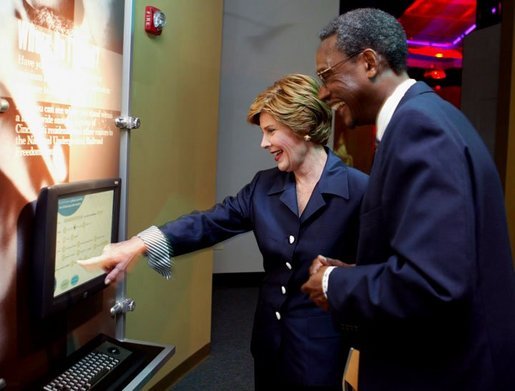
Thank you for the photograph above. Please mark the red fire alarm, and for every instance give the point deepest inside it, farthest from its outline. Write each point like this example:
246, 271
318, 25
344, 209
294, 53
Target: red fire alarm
155, 20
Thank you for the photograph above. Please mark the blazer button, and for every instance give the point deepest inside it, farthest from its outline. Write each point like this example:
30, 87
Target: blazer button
283, 290
288, 265
291, 239
277, 315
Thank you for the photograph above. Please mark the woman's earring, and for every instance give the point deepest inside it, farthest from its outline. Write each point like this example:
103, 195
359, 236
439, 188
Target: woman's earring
307, 137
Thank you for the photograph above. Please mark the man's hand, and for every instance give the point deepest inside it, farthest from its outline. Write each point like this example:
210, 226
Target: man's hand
116, 258
313, 286
320, 261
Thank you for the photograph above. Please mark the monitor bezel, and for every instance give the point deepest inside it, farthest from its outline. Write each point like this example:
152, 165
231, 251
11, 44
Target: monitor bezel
44, 248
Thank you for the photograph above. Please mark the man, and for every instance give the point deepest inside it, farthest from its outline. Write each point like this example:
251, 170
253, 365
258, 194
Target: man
431, 301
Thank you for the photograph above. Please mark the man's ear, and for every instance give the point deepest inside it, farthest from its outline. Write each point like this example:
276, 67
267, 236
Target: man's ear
372, 61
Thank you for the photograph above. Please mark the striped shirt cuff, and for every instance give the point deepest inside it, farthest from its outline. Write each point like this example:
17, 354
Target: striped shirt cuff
159, 251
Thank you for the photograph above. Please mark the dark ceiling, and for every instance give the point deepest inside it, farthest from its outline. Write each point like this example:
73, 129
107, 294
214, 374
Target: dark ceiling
394, 7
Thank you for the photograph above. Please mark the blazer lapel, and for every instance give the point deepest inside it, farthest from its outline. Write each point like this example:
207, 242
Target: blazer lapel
334, 180
285, 186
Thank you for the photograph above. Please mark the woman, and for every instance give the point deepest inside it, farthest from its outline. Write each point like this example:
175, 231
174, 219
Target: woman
308, 205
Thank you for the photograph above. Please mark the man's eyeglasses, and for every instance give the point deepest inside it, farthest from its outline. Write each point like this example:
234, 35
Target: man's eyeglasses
323, 74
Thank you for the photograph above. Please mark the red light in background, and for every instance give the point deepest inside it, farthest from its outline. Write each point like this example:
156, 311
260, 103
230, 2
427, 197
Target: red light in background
428, 51
435, 31
436, 74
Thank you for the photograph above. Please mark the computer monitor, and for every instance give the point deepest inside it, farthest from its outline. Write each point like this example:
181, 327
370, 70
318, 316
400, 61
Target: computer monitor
73, 221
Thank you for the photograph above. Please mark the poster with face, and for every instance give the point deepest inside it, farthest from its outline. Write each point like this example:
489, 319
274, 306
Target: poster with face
61, 76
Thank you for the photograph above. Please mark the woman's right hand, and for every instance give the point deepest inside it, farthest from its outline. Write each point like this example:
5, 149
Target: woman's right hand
116, 258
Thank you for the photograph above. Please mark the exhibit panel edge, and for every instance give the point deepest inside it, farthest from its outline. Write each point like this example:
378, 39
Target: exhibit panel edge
128, 31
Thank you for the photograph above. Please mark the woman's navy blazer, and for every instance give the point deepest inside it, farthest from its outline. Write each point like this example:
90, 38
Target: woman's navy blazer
291, 334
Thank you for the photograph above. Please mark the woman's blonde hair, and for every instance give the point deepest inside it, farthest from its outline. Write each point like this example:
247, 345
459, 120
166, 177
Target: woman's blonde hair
293, 101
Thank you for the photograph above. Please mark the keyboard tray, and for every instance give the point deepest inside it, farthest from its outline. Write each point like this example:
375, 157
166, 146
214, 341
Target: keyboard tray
108, 363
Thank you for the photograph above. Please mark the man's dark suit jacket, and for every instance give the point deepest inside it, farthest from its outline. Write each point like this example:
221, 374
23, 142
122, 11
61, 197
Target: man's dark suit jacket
294, 342
433, 298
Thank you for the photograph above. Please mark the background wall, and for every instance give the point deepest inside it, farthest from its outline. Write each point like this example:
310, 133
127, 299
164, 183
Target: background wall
262, 41
488, 100
480, 81
506, 125
175, 88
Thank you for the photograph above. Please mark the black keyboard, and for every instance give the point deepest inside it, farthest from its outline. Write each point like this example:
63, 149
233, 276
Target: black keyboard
99, 365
